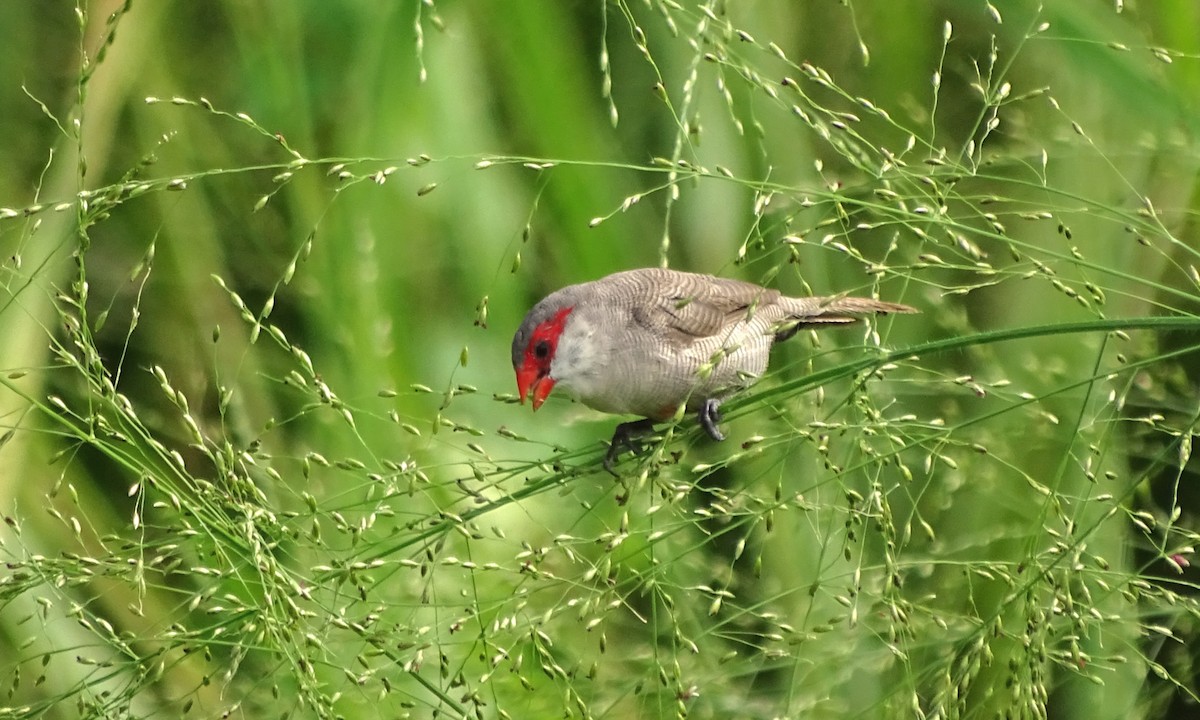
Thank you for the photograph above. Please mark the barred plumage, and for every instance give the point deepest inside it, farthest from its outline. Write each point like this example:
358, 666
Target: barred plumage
641, 342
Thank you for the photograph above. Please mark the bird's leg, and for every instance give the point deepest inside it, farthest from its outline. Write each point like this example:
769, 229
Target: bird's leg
623, 438
710, 416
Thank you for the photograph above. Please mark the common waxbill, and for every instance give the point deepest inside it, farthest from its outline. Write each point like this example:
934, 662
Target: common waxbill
643, 342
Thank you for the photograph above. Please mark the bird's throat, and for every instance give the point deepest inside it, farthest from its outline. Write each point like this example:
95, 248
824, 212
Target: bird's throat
578, 358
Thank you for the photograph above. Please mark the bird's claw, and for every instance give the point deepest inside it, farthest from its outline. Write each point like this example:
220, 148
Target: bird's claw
623, 438
710, 417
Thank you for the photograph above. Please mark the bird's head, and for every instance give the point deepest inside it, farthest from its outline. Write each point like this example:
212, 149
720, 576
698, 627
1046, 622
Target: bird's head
534, 348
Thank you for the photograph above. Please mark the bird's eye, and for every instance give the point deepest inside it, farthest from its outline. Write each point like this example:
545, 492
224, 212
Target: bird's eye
542, 350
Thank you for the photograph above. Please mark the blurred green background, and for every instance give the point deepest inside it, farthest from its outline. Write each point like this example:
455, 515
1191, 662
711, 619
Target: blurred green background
261, 262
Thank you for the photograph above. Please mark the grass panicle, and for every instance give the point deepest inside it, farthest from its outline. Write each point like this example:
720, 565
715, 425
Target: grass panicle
260, 452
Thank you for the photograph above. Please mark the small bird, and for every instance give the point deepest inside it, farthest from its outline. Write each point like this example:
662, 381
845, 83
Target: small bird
643, 342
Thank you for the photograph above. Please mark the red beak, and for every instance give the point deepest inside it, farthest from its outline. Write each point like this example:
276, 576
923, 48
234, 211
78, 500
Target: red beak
529, 380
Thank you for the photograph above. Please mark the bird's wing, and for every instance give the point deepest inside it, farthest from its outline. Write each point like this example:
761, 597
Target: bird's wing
688, 307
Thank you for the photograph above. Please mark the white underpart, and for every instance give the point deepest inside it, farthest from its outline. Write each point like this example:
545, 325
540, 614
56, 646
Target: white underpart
622, 368
577, 366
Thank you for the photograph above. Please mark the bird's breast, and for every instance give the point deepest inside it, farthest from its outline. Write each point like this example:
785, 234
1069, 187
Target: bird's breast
627, 368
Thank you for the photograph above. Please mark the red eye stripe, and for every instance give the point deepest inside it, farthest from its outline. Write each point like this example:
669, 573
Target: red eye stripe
545, 337
533, 375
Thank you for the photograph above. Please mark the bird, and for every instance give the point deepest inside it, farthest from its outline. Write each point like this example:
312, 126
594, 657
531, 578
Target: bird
644, 342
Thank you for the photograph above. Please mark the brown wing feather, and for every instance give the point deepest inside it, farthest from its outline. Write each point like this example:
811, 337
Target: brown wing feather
685, 307
688, 307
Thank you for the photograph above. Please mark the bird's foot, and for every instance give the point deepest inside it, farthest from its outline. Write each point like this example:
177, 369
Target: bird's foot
710, 416
623, 438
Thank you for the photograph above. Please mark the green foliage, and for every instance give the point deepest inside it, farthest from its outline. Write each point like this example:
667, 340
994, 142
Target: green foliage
260, 452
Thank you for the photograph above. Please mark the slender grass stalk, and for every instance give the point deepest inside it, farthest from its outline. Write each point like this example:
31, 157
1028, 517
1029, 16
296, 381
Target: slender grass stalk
259, 449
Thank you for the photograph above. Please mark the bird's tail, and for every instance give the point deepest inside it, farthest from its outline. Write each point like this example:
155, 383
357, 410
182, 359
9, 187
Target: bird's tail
832, 310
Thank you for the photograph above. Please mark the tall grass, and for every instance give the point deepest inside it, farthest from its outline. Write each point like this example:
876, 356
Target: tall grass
259, 447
